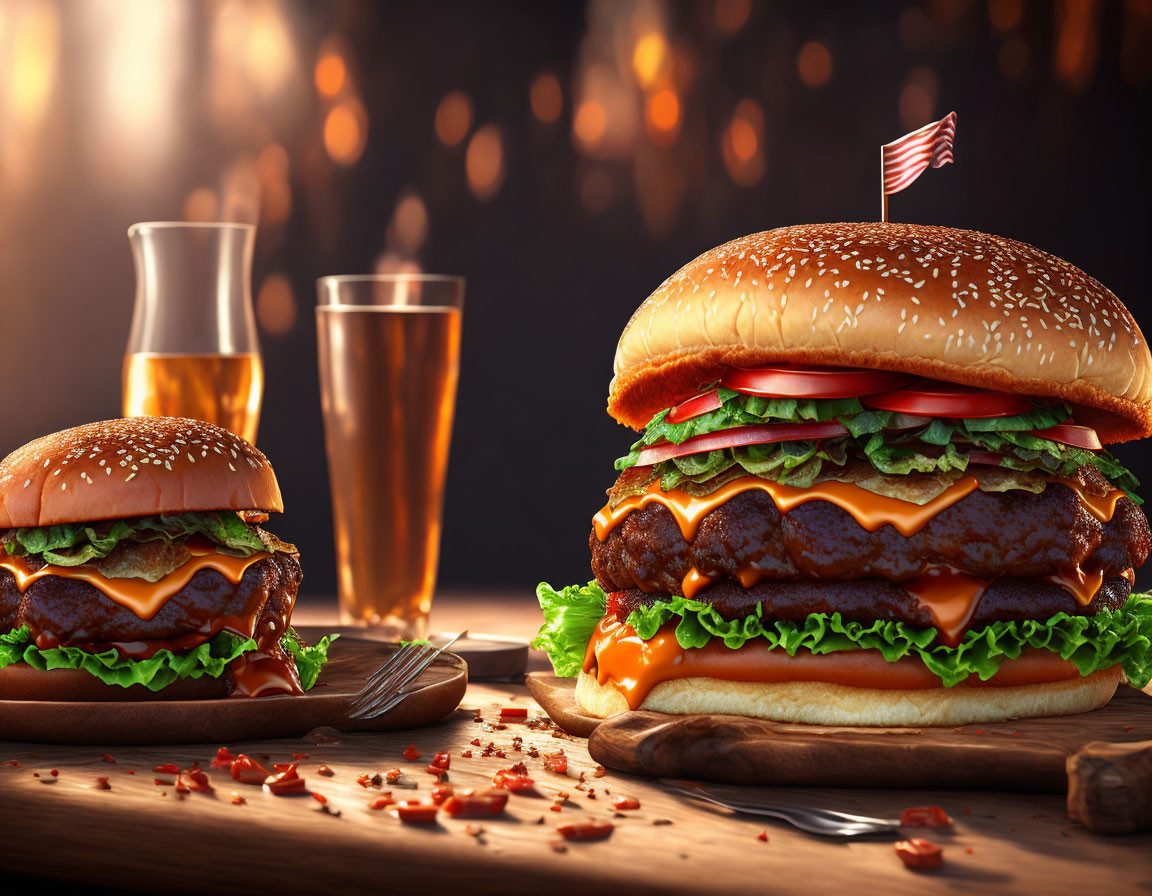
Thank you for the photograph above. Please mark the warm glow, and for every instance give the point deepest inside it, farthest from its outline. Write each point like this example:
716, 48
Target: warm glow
345, 132
484, 162
814, 64
1005, 14
918, 98
590, 123
276, 305
268, 48
31, 69
409, 224
453, 118
330, 74
650, 58
662, 115
201, 206
743, 144
547, 98
732, 14
275, 192
743, 138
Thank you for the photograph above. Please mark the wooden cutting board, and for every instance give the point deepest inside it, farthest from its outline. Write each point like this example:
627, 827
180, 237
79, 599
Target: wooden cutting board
1102, 758
350, 661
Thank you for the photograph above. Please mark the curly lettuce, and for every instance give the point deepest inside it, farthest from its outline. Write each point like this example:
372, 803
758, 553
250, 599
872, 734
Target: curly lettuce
1122, 637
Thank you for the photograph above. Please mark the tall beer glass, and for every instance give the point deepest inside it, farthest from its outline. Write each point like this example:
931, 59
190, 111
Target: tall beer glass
192, 350
389, 349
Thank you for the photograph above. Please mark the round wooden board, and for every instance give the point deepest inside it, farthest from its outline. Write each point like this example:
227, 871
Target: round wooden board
351, 660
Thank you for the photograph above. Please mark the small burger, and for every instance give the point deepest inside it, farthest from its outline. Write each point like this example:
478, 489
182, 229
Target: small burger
870, 488
133, 566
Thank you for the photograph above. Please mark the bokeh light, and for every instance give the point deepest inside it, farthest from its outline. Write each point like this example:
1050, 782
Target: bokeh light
814, 64
918, 98
743, 144
1006, 14
484, 162
546, 97
662, 116
345, 132
453, 118
650, 59
589, 124
409, 228
276, 305
330, 74
201, 205
732, 14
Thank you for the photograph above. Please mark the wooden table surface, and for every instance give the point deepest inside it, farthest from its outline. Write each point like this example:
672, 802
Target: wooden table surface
144, 836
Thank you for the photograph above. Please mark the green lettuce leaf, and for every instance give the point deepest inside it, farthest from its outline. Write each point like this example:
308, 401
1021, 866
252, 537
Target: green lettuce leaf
1095, 642
570, 617
210, 658
75, 544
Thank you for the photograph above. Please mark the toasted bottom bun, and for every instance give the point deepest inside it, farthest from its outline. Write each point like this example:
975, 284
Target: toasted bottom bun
23, 682
820, 703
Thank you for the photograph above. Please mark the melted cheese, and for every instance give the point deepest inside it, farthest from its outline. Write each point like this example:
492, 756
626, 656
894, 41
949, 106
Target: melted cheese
1100, 506
142, 597
950, 597
868, 509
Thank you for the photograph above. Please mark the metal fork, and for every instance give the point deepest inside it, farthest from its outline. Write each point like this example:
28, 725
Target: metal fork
387, 686
826, 822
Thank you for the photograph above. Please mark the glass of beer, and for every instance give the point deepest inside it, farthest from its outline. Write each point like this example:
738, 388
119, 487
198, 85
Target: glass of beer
389, 348
192, 351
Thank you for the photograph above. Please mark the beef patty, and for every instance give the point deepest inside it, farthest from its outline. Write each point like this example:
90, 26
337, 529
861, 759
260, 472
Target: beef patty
869, 600
1014, 535
64, 611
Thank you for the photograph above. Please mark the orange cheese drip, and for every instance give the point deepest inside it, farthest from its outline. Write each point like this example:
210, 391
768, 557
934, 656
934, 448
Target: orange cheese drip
142, 597
1100, 506
1083, 585
950, 597
868, 509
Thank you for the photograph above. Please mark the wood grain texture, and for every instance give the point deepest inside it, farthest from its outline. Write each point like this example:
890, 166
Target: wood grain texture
1110, 787
1028, 754
351, 660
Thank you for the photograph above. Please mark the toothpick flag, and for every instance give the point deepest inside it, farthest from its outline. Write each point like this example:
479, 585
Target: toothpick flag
904, 160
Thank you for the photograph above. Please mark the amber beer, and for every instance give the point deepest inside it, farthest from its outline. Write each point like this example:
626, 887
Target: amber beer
388, 387
220, 389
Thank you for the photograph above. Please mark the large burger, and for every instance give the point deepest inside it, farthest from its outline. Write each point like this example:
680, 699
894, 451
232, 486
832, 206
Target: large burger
870, 489
133, 565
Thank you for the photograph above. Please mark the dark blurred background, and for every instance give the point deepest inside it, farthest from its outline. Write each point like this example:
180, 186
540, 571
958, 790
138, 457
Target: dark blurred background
564, 157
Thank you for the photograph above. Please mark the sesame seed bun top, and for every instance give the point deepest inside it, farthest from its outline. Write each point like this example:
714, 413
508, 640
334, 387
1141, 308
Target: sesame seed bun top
136, 466
950, 304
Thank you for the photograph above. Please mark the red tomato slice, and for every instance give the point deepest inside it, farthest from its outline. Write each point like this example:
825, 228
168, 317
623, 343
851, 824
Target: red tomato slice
935, 399
694, 407
740, 435
1071, 434
992, 458
804, 381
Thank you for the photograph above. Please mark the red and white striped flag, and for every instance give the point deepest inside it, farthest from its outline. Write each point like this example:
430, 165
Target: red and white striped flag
905, 159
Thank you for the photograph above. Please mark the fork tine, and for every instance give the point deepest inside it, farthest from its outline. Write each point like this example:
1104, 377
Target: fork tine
385, 692
396, 678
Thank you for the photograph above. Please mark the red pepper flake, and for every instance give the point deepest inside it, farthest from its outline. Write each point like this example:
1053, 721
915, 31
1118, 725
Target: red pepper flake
55, 773
392, 776
102, 783
925, 817
966, 811
1017, 734
35, 774
247, 770
11, 763
440, 793
107, 758
556, 762
466, 754
223, 759
323, 770
592, 829
297, 757
513, 712
500, 754
600, 772
160, 783
471, 803
1128, 729
475, 742
129, 771
478, 717
442, 759
969, 850
436, 770
591, 794
238, 800
168, 768
320, 798
411, 753
416, 812
510, 779
285, 782
194, 779
979, 731
920, 855
763, 836
382, 802
625, 803
555, 807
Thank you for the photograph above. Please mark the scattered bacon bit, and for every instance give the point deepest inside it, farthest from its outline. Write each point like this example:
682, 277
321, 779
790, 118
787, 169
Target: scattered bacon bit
285, 782
475, 741
297, 757
440, 793
1128, 729
920, 855
55, 773
969, 850
1017, 734
925, 817
592, 829
13, 763
160, 783
556, 762
591, 794
436, 770
624, 803
466, 754
129, 771
320, 798
35, 774
416, 812
224, 758
168, 768
442, 759
193, 779
513, 712
322, 770
510, 779
476, 803
555, 807
392, 776
411, 753
238, 800
247, 770
763, 836
381, 802
102, 783
107, 758
600, 772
